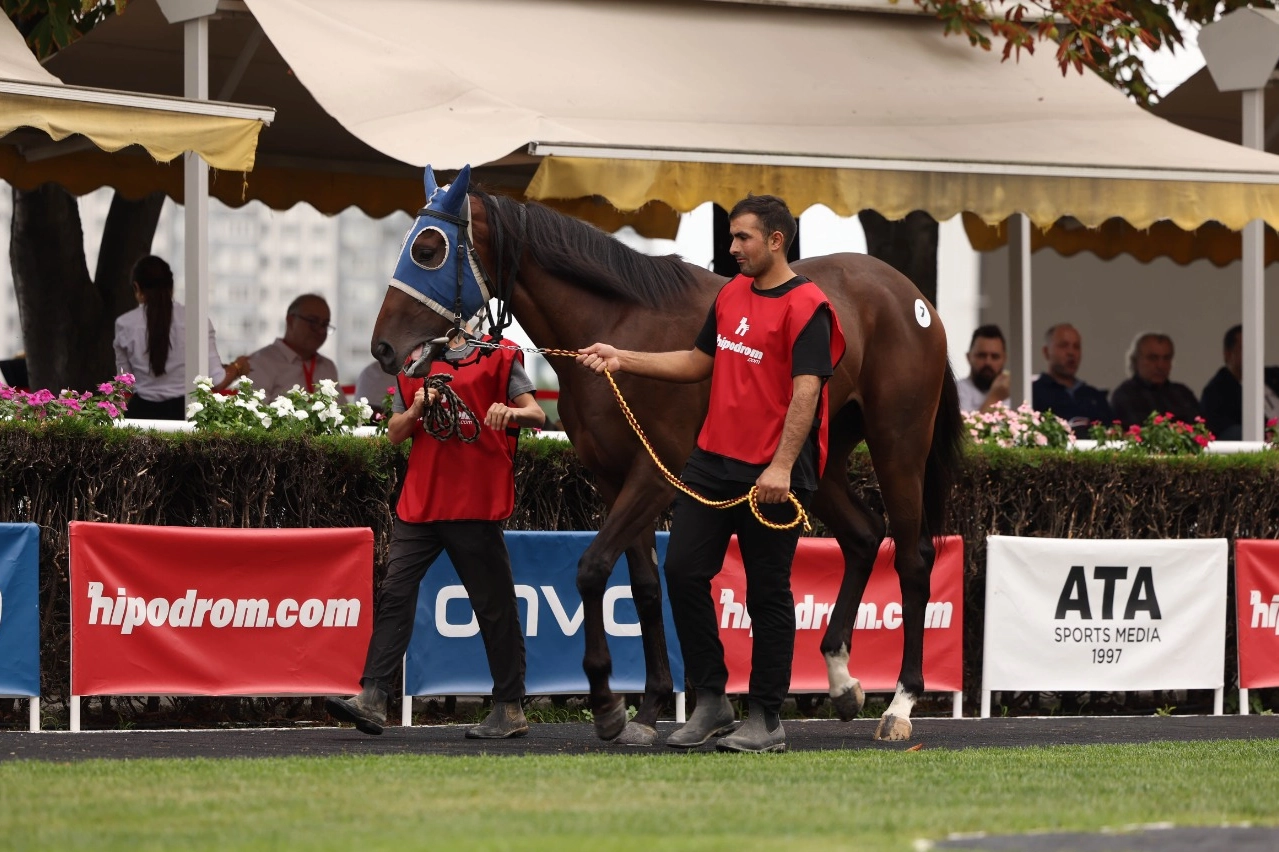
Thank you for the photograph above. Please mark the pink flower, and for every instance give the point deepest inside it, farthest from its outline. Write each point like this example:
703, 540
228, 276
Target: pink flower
126, 378
110, 409
1159, 418
1201, 440
105, 387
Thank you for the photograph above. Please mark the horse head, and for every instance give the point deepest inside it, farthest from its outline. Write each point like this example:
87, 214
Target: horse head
438, 282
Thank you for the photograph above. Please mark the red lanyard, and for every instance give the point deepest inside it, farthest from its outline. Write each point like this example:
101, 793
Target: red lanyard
308, 373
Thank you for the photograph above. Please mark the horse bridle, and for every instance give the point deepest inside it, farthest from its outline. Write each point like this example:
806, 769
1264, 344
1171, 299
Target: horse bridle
506, 272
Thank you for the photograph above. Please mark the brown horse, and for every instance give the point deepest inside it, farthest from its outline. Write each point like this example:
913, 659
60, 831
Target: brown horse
570, 285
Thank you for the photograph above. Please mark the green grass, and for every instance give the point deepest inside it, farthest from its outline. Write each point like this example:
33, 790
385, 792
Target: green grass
871, 799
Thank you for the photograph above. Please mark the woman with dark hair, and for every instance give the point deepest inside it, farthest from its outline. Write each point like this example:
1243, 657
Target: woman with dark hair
150, 343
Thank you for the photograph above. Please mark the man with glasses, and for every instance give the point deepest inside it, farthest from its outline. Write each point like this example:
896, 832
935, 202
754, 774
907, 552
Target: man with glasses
294, 359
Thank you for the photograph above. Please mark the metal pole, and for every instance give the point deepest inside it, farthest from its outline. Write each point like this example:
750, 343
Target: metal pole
1020, 334
196, 209
1254, 290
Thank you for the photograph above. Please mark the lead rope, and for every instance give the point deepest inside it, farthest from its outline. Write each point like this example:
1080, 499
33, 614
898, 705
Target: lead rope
445, 419
801, 516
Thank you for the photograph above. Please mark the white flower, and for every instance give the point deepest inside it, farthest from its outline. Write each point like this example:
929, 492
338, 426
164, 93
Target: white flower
193, 409
299, 415
324, 416
319, 405
328, 387
265, 421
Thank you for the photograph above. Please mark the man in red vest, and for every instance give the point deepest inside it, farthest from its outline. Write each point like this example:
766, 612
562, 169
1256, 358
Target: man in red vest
434, 515
768, 345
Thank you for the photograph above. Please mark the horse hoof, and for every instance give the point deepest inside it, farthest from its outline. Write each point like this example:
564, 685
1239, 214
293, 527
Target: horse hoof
635, 734
610, 722
893, 728
849, 702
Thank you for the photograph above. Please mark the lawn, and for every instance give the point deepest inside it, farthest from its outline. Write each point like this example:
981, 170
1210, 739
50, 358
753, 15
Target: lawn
866, 799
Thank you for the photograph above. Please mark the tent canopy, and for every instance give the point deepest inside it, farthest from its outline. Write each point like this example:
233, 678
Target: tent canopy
669, 101
32, 99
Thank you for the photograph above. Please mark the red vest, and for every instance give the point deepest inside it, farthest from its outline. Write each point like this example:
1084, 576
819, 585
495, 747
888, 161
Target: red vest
452, 480
751, 383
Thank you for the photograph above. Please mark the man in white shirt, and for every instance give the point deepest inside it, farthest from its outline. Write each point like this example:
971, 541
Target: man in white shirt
988, 383
294, 359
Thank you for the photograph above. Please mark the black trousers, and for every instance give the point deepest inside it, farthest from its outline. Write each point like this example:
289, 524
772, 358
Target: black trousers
149, 409
695, 554
479, 554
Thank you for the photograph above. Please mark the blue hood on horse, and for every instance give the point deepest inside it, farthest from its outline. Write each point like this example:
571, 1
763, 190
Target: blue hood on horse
447, 280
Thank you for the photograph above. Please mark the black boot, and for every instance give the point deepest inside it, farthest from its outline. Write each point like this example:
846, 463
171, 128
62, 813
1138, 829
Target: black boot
505, 720
712, 716
367, 711
755, 736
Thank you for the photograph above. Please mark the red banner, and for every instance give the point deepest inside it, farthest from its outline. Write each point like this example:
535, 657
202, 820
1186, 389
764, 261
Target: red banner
876, 652
1257, 612
200, 611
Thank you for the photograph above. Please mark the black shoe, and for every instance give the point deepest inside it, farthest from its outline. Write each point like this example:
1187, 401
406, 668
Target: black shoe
367, 711
712, 717
504, 721
754, 736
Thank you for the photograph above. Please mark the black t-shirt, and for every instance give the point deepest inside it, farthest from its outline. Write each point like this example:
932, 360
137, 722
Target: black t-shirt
810, 356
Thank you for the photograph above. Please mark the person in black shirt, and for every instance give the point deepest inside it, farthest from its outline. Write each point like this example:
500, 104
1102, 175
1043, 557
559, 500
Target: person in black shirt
1060, 391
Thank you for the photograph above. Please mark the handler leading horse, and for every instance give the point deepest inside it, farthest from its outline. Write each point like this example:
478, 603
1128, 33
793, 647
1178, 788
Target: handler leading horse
569, 285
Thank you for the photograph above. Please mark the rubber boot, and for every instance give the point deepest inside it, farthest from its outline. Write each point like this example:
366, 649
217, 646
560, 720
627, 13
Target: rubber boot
367, 711
504, 721
712, 717
754, 736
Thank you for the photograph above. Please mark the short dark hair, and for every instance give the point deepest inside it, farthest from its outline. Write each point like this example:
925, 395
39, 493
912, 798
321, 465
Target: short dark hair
1231, 338
773, 214
990, 331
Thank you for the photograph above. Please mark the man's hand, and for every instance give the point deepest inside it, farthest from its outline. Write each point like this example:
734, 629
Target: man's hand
499, 416
423, 399
1002, 386
773, 485
599, 357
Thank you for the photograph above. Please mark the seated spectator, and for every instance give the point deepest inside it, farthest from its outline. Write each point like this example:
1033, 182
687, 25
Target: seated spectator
294, 359
1222, 400
1149, 389
1059, 390
372, 384
987, 383
150, 343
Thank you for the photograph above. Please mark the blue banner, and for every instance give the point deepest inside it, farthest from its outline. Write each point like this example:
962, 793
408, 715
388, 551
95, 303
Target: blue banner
446, 654
19, 609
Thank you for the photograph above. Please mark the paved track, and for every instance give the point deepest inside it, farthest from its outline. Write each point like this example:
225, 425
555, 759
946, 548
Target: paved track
579, 738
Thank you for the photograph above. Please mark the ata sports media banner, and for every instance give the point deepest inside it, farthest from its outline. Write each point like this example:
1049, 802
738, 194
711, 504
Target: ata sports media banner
19, 610
1257, 612
201, 611
1117, 615
446, 654
876, 652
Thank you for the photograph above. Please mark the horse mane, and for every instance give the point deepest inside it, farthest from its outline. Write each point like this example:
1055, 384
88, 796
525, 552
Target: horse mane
584, 255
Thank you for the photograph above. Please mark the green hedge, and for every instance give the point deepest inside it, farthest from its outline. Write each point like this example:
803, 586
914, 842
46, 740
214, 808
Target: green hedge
54, 474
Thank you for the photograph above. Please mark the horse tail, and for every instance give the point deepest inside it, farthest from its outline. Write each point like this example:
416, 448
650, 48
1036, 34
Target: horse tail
941, 470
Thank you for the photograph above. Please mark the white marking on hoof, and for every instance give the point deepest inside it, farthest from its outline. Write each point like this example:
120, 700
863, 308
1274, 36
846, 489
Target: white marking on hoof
846, 692
895, 724
635, 734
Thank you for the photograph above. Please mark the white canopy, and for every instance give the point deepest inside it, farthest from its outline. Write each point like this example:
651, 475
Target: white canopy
685, 102
225, 135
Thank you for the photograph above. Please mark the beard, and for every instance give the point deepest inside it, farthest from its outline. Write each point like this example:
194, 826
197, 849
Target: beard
984, 377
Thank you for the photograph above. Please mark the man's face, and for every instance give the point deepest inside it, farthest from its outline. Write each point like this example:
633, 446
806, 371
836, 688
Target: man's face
307, 327
1154, 361
751, 245
986, 360
1234, 356
1064, 353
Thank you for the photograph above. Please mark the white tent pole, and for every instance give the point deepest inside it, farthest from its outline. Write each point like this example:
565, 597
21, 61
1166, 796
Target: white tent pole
1020, 334
1254, 291
196, 208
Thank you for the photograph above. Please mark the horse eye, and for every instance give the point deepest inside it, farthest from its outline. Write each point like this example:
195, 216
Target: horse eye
430, 249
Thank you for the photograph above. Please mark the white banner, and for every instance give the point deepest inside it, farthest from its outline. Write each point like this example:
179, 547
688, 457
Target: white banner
1113, 615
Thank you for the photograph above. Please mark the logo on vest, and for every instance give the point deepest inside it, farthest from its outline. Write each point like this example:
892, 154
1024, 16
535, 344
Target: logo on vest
753, 356
742, 327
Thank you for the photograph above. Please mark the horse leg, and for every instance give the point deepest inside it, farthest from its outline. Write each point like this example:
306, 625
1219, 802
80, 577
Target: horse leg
859, 532
633, 509
646, 587
900, 468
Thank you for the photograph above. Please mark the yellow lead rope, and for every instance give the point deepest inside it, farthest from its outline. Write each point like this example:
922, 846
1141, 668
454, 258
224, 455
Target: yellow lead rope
801, 517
